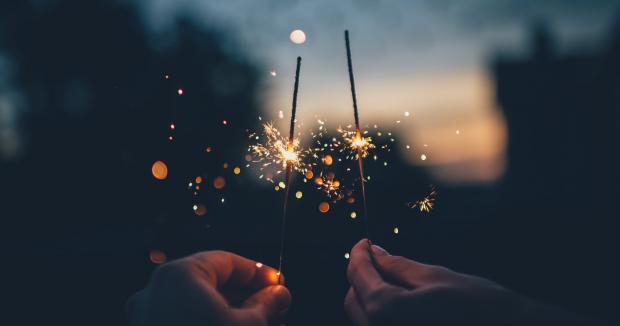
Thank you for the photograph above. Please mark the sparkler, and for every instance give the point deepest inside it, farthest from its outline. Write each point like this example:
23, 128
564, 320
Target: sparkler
358, 143
290, 158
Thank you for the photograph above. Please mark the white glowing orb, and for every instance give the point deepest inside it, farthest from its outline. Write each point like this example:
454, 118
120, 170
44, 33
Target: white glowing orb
298, 36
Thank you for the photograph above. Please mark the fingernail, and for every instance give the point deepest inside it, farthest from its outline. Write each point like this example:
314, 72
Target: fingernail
379, 251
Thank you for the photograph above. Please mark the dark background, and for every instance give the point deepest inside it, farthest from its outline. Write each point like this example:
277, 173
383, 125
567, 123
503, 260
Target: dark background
80, 210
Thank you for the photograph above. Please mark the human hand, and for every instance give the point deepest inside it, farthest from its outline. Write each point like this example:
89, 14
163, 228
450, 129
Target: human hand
388, 290
210, 288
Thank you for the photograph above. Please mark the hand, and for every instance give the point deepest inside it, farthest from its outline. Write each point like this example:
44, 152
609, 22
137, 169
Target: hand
210, 288
388, 290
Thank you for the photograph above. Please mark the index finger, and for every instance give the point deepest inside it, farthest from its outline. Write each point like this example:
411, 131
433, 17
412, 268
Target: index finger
223, 268
361, 272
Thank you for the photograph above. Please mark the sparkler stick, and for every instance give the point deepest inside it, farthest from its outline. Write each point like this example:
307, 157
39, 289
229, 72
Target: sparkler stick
289, 167
358, 135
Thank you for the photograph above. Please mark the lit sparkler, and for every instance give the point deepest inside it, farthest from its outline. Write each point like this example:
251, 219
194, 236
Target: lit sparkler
359, 144
290, 158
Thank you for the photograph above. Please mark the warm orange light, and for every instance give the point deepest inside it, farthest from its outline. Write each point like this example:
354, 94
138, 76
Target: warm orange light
324, 207
236, 170
225, 165
198, 179
274, 277
309, 174
318, 181
219, 182
328, 160
200, 210
159, 170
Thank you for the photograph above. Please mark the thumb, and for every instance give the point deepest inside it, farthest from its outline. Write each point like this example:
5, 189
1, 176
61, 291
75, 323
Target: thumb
400, 270
271, 302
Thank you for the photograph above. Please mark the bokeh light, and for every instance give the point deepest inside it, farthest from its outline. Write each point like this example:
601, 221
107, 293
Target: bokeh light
157, 257
200, 210
324, 207
298, 36
219, 182
159, 170
328, 160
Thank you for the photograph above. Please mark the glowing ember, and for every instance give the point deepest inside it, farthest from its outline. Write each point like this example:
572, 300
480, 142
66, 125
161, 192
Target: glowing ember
236, 170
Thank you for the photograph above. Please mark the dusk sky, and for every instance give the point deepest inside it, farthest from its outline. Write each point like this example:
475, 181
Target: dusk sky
429, 58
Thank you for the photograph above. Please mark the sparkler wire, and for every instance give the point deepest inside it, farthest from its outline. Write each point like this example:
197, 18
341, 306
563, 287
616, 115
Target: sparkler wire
358, 133
289, 168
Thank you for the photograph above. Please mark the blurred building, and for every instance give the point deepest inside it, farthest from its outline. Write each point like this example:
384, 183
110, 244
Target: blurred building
562, 117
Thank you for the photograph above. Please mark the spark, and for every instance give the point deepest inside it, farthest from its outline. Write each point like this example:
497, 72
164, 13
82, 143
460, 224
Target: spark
423, 157
275, 151
358, 146
180, 91
273, 73
346, 255
425, 204
259, 265
407, 113
396, 230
